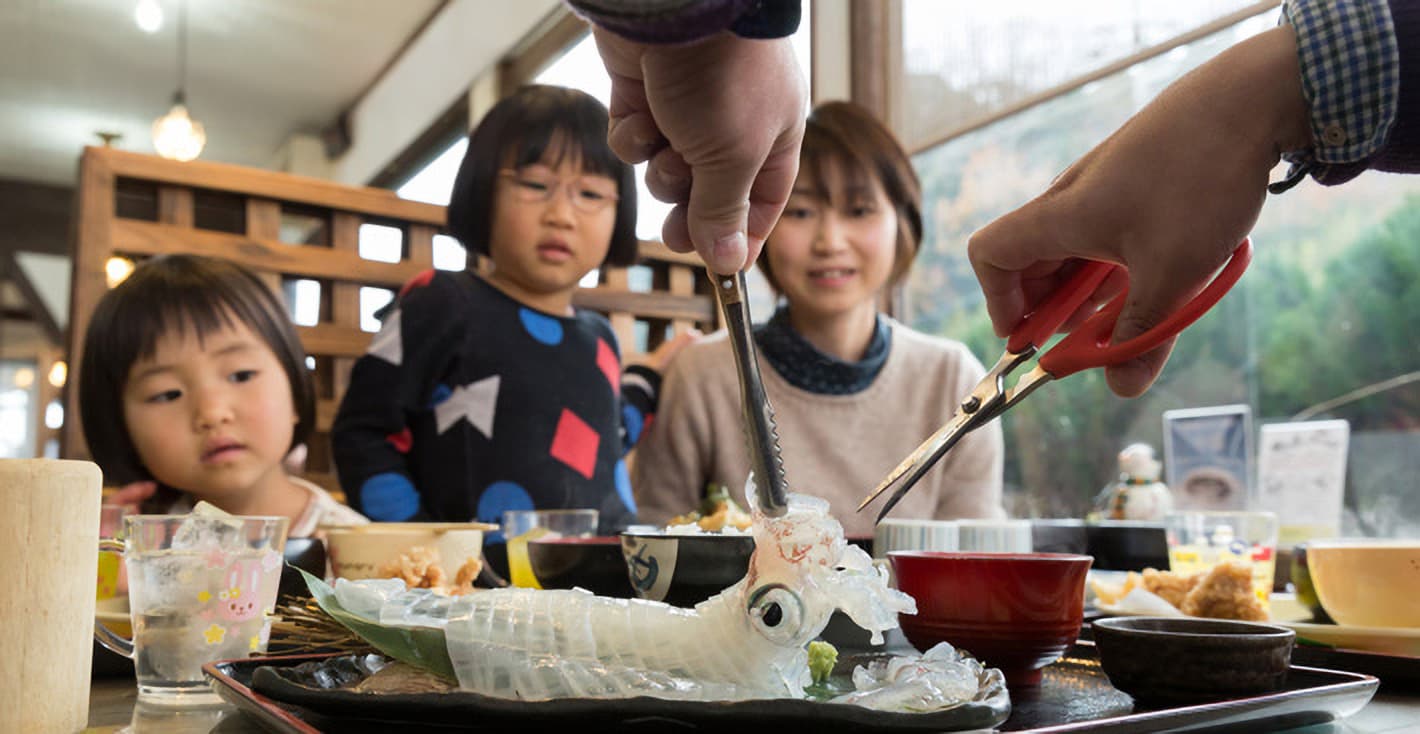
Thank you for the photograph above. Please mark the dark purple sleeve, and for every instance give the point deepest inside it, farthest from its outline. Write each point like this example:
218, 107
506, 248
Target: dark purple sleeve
1401, 152
682, 21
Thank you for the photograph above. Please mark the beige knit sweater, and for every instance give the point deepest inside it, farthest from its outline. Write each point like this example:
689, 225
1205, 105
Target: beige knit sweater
837, 447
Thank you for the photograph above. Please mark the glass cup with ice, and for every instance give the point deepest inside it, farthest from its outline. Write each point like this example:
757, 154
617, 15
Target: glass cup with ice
201, 587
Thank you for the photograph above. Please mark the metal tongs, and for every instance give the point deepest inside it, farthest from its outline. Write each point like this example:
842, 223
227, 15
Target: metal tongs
1085, 347
761, 435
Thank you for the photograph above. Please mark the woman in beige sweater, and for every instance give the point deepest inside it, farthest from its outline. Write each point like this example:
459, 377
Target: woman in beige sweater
853, 390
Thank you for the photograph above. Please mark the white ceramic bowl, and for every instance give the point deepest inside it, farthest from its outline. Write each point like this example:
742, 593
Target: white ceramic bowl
359, 551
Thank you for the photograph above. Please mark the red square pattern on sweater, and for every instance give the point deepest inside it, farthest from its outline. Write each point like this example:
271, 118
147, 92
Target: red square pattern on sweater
609, 364
575, 444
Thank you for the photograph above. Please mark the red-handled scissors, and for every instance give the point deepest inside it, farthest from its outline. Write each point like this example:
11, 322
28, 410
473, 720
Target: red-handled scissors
1085, 347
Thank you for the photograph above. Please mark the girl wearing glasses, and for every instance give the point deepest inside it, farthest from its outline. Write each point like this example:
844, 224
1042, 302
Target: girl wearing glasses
853, 390
488, 391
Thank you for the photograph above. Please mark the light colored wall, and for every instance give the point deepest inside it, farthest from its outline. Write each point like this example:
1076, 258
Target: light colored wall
49, 274
457, 54
466, 40
302, 154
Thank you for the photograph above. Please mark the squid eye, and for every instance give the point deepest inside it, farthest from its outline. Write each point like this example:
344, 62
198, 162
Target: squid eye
777, 613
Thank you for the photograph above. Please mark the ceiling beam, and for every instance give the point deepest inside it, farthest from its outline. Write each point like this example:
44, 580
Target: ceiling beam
10, 270
463, 41
336, 135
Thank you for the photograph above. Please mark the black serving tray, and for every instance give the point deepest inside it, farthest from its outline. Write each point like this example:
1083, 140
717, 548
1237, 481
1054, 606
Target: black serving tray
1074, 696
316, 690
1396, 672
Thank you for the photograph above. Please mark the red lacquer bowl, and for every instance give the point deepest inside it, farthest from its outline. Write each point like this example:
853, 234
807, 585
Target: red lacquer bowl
1014, 611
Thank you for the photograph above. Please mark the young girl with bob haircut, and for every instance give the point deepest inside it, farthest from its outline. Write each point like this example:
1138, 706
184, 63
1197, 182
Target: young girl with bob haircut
486, 392
853, 390
193, 386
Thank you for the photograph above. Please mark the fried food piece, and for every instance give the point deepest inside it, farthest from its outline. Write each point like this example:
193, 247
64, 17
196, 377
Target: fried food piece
1225, 592
685, 519
726, 514
1106, 593
1110, 594
465, 576
1169, 586
418, 567
716, 511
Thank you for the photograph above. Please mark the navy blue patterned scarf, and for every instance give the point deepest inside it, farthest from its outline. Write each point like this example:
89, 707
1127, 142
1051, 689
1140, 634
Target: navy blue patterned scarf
806, 368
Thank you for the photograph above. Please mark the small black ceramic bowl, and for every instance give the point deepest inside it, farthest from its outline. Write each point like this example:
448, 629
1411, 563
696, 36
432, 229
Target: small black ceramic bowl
684, 570
594, 564
1172, 660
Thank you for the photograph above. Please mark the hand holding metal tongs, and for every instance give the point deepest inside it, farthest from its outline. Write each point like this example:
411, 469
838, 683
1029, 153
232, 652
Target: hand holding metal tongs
1085, 347
760, 432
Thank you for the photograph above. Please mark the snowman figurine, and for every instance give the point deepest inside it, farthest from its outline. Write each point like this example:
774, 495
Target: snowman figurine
1138, 494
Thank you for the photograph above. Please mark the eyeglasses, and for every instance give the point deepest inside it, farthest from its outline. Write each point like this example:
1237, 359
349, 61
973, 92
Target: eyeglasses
587, 194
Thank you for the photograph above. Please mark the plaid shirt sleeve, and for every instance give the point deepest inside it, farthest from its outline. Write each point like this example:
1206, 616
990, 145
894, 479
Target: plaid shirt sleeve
1351, 79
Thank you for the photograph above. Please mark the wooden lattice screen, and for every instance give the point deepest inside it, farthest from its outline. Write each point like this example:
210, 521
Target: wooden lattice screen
292, 228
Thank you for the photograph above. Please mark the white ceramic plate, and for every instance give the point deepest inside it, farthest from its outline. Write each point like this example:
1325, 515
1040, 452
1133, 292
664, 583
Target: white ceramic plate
1284, 609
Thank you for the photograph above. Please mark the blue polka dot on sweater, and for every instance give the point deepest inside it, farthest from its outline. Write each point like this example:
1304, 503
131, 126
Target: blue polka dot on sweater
632, 422
497, 498
622, 477
541, 327
440, 394
388, 497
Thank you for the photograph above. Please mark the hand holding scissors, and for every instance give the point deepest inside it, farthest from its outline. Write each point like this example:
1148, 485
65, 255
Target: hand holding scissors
1085, 347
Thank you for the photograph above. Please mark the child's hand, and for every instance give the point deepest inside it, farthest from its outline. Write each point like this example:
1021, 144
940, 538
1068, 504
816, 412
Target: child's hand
131, 496
661, 357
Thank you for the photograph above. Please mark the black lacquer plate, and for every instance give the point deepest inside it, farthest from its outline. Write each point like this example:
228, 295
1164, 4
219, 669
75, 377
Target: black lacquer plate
317, 692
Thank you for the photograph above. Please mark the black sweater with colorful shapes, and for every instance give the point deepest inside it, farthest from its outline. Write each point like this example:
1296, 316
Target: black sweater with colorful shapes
469, 403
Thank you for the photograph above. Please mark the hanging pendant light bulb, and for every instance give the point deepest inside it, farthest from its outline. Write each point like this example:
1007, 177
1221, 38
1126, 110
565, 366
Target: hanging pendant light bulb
148, 15
176, 135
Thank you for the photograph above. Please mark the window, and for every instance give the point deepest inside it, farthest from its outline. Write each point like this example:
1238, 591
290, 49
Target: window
1326, 309
19, 394
972, 58
433, 182
448, 253
304, 296
371, 301
381, 242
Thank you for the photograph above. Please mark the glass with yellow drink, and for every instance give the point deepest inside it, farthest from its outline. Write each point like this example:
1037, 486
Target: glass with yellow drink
110, 520
521, 526
1199, 540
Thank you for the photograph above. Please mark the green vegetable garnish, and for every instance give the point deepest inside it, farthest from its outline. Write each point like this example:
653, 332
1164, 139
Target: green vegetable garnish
822, 657
715, 495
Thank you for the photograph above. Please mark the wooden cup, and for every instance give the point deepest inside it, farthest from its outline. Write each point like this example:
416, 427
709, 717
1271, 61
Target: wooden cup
50, 523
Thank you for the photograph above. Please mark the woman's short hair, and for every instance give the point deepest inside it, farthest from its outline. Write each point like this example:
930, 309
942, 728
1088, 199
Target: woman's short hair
166, 294
518, 132
846, 138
